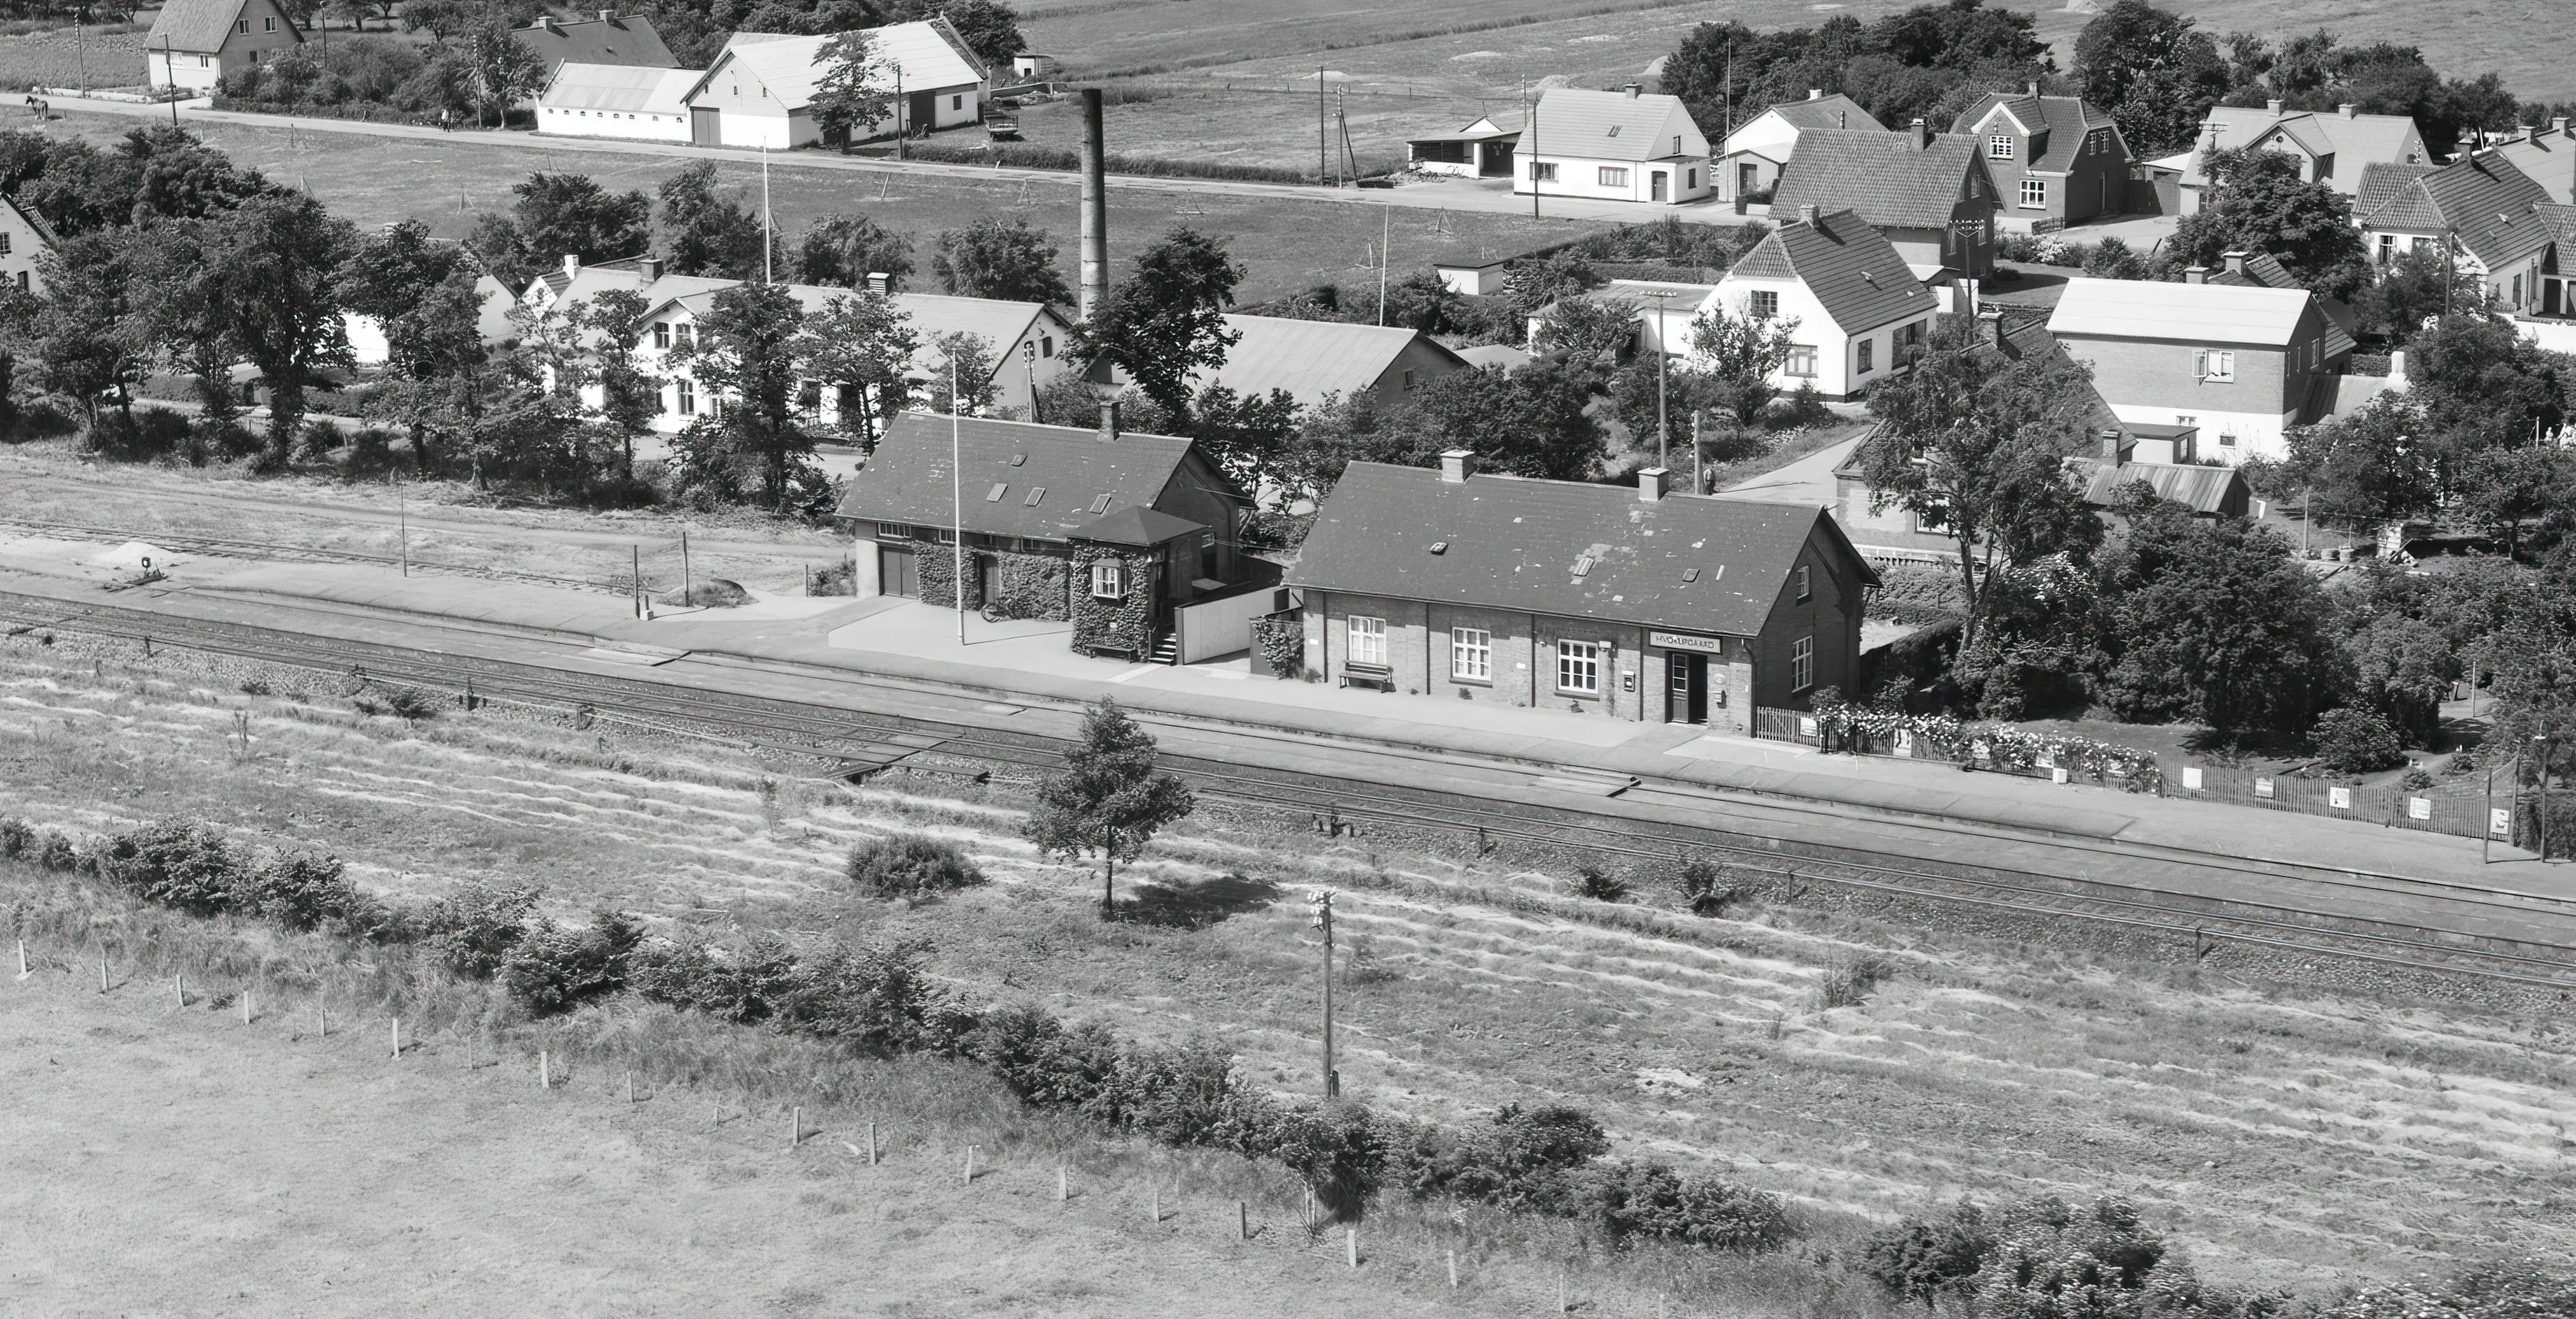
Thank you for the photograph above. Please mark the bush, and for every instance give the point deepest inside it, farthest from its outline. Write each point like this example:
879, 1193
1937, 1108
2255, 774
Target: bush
714, 593
878, 1001
1044, 1062
406, 703
178, 864
1282, 642
911, 866
1703, 885
1337, 1147
16, 838
2350, 740
840, 579
2415, 780
1181, 1094
1848, 980
1599, 884
1922, 1261
1518, 1161
56, 852
742, 987
551, 970
473, 932
1628, 1201
302, 891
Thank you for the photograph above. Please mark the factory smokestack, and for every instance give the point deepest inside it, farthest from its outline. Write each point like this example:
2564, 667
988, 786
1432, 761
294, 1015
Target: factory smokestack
1095, 207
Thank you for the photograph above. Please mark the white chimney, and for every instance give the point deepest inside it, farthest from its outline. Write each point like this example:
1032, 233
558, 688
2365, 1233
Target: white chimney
880, 283
608, 16
2195, 275
2235, 262
651, 267
2348, 110
1633, 89
1650, 483
572, 264
1456, 465
2273, 105
1807, 214
1815, 93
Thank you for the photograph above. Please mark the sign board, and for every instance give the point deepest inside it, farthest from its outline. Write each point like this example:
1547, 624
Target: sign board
1905, 741
2057, 774
1683, 641
2263, 789
2500, 822
2191, 777
2419, 808
2339, 798
1806, 726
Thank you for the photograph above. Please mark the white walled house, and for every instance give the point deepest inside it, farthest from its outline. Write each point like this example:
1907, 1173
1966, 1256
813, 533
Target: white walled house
1481, 150
620, 101
759, 92
1612, 146
367, 336
24, 240
2486, 210
1756, 150
194, 43
1861, 312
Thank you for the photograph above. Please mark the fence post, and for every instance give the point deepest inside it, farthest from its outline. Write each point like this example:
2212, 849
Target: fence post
1453, 1268
970, 1166
796, 1129
1062, 1192
545, 1078
1351, 1245
1243, 1219
872, 1144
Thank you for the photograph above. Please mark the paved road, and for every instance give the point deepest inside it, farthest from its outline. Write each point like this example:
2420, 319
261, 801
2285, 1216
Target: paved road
1448, 195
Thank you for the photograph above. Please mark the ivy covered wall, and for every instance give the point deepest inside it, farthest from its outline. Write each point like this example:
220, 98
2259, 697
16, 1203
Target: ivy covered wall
1126, 624
935, 567
1032, 586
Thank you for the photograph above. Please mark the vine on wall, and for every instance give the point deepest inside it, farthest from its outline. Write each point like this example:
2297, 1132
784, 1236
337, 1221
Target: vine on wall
1125, 624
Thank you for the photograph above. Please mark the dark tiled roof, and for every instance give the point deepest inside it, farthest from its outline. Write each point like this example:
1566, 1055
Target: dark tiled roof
1835, 111
2482, 200
1516, 544
1131, 525
202, 26
1850, 267
1069, 471
2066, 119
2383, 180
1886, 177
2562, 226
628, 40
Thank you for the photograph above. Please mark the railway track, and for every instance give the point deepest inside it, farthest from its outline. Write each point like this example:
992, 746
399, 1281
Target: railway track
855, 743
221, 547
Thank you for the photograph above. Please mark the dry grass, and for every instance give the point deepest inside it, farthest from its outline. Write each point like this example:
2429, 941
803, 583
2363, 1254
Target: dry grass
2283, 1137
62, 58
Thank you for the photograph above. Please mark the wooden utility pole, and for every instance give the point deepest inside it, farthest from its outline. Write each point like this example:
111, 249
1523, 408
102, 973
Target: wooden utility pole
1323, 905
1323, 136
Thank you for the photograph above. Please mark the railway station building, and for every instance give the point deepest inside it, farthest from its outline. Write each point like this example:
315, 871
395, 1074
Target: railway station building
1639, 603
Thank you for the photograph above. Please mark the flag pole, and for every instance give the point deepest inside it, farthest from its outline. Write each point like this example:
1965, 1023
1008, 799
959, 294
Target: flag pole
768, 226
957, 494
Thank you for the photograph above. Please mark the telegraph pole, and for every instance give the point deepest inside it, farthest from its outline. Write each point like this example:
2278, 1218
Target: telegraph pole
1322, 902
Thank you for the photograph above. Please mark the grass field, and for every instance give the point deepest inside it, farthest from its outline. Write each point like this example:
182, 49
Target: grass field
61, 57
1286, 244
2284, 1137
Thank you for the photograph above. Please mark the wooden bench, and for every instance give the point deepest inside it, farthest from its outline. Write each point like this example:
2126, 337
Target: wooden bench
1368, 675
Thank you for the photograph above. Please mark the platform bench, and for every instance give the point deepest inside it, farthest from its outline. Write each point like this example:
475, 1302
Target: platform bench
1368, 675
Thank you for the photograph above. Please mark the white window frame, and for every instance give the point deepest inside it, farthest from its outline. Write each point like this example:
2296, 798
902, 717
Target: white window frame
2034, 194
1865, 356
1612, 176
1806, 582
1802, 664
1762, 304
2217, 366
1542, 171
688, 397
1108, 581
1800, 353
1578, 667
1367, 640
1999, 147
1471, 654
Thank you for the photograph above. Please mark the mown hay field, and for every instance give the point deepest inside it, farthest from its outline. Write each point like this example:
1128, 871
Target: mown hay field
2281, 1136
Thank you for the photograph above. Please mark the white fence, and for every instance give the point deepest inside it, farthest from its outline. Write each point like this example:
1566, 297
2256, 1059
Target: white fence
1222, 626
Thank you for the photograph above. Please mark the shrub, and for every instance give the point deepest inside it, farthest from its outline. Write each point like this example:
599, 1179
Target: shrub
740, 987
1181, 1094
2350, 740
57, 852
1628, 1201
876, 1000
16, 838
713, 593
406, 703
1044, 1062
1282, 642
1848, 981
178, 864
473, 932
1519, 1160
1599, 884
302, 891
552, 969
2415, 780
1922, 1261
911, 866
1337, 1147
840, 579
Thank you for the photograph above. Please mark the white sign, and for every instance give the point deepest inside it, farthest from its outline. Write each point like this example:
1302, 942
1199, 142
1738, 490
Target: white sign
1680, 641
2419, 808
2500, 822
2263, 788
1905, 741
2191, 777
2339, 798
1806, 726
2056, 774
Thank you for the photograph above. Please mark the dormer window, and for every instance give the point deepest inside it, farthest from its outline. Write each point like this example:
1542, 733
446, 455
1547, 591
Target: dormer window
1614, 130
1999, 147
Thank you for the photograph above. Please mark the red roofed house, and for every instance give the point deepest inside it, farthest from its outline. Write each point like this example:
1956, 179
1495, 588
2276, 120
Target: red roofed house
2055, 159
194, 43
1757, 150
1860, 309
1631, 603
2239, 363
2484, 209
1929, 193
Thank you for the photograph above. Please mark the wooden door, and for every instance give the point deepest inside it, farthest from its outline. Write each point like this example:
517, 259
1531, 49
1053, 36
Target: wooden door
706, 128
896, 573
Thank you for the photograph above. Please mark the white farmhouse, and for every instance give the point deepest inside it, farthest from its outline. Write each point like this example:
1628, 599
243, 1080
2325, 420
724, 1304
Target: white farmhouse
1757, 149
613, 100
1613, 146
1860, 312
760, 90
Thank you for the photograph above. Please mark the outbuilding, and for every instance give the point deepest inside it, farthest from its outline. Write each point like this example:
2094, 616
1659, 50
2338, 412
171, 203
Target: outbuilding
637, 102
760, 90
194, 43
1481, 150
1629, 602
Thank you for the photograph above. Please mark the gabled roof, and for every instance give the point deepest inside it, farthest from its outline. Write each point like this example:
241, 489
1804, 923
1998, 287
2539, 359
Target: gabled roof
1486, 128
1889, 178
998, 323
621, 88
1075, 477
928, 53
1567, 549
202, 26
2205, 490
33, 219
2191, 313
2364, 138
1835, 111
2548, 156
1137, 527
1589, 125
2263, 270
628, 41
2065, 119
2481, 200
1313, 359
1850, 267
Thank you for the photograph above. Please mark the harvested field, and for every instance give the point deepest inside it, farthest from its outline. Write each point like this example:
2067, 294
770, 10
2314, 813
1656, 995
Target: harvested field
2282, 1136
62, 57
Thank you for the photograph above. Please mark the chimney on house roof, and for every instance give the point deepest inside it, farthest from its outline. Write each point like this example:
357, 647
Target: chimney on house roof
1922, 133
1807, 214
551, 24
1456, 465
2558, 124
2195, 275
1633, 89
2235, 261
1815, 93
572, 264
1105, 389
880, 283
651, 267
2348, 110
2273, 105
1650, 483
1990, 326
608, 16
2034, 88
2115, 446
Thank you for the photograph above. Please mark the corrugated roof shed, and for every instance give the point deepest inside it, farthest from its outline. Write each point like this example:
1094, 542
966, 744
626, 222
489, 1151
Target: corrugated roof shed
2193, 313
1889, 178
1589, 125
1566, 549
2211, 491
629, 40
1053, 480
1850, 267
622, 88
1313, 359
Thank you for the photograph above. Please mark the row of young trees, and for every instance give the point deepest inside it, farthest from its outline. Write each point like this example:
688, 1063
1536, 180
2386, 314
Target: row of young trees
2153, 69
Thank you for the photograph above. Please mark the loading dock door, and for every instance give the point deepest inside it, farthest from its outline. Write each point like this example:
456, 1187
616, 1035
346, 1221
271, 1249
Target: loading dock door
705, 128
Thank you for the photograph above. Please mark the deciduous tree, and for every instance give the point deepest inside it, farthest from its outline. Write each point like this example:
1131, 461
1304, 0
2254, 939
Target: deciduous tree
745, 352
1109, 800
278, 260
863, 345
2154, 71
843, 250
2258, 203
856, 91
1165, 322
1012, 261
708, 232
